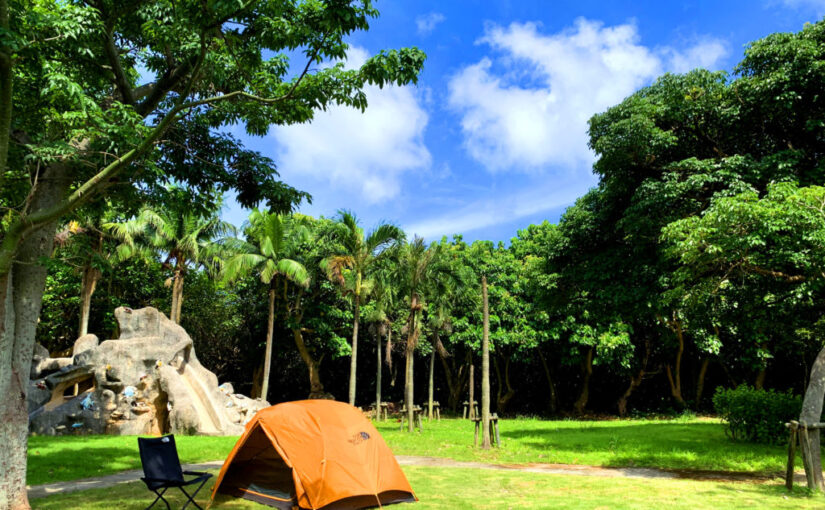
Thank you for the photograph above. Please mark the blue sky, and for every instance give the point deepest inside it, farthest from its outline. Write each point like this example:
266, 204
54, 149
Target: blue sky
493, 136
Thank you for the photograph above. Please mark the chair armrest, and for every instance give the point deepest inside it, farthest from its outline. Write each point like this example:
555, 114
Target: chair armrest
197, 473
199, 477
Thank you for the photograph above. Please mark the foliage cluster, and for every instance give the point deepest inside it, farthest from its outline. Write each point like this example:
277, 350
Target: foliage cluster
755, 415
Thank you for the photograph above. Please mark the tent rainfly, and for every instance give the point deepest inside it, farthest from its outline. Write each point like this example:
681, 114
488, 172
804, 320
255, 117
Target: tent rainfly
313, 454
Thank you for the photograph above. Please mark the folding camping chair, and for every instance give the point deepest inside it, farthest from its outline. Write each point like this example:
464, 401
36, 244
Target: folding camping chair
161, 469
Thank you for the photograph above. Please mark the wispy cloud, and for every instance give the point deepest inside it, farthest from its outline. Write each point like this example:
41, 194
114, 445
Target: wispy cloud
817, 6
498, 210
426, 23
526, 106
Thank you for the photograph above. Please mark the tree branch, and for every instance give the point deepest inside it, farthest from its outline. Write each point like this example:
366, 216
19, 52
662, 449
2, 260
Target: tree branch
121, 81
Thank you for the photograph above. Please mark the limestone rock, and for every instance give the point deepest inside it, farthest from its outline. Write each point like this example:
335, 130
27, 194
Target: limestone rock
148, 381
45, 366
85, 343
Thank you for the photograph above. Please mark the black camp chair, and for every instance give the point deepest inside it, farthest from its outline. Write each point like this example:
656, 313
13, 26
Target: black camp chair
161, 469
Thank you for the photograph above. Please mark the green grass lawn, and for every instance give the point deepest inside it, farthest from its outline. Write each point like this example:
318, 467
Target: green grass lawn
670, 444
485, 489
57, 459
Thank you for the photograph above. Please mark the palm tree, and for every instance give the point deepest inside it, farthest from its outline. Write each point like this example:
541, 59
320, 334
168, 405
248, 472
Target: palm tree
268, 237
384, 295
185, 238
85, 246
422, 273
350, 267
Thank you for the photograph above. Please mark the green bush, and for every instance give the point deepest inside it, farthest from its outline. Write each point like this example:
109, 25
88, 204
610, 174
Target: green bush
757, 416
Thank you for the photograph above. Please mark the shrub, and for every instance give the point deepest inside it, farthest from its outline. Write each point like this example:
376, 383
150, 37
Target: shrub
757, 416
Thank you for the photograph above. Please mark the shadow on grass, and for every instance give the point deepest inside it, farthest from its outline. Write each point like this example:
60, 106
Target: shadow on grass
667, 445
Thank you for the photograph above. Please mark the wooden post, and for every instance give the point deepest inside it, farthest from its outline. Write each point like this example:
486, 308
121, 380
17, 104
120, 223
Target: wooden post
807, 457
792, 426
485, 367
472, 392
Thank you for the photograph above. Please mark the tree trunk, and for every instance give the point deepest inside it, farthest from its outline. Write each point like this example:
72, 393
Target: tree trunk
759, 383
674, 374
316, 389
430, 388
270, 329
378, 374
587, 371
634, 382
87, 288
353, 361
21, 297
409, 390
554, 401
485, 368
700, 381
503, 397
472, 412
812, 413
177, 292
388, 359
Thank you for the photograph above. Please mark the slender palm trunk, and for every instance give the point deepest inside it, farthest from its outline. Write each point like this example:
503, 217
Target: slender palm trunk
485, 369
353, 363
87, 288
177, 292
270, 327
430, 389
409, 390
378, 372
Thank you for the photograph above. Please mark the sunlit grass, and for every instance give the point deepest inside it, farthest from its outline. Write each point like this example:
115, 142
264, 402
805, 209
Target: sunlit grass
486, 489
670, 444
698, 443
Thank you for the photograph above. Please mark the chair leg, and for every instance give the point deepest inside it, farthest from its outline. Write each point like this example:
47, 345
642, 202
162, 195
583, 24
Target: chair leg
191, 499
159, 497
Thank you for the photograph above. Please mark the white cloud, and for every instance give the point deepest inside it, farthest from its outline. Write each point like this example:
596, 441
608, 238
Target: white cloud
426, 23
361, 153
705, 54
528, 108
817, 6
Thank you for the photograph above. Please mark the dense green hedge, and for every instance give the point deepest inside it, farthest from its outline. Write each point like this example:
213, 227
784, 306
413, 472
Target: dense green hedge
755, 415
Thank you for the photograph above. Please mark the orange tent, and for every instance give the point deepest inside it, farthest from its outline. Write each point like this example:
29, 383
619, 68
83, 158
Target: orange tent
313, 454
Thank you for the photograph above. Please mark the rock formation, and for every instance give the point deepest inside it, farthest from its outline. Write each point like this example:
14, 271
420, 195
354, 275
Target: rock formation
148, 381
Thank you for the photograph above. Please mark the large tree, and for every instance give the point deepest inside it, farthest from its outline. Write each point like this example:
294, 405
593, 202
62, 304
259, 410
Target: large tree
351, 267
779, 237
78, 120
